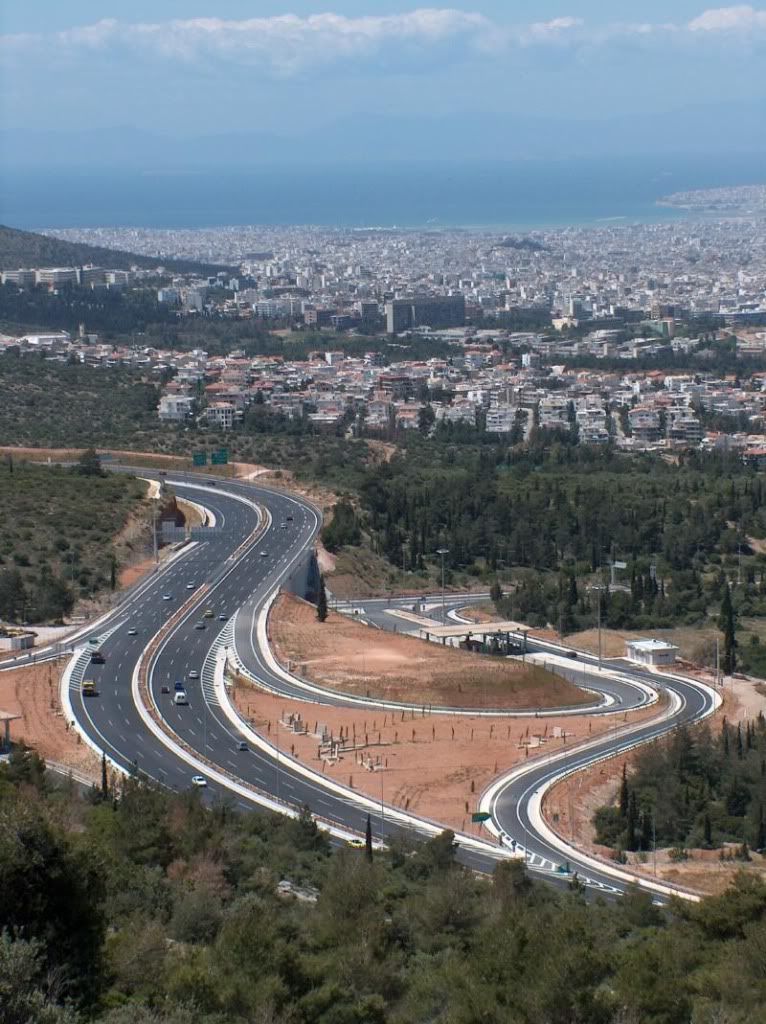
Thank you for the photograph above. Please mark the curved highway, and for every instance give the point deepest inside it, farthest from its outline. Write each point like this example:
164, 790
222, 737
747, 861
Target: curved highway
223, 580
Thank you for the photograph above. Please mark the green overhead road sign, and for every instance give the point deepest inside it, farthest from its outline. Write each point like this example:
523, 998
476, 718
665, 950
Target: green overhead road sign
220, 458
199, 458
480, 816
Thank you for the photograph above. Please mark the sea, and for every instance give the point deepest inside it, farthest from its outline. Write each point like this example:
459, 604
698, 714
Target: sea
518, 195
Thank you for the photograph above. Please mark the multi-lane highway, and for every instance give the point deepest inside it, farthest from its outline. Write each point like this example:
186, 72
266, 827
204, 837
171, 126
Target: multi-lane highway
210, 598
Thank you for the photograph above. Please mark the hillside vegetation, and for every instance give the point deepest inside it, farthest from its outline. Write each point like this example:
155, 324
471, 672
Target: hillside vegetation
143, 907
47, 404
30, 249
57, 527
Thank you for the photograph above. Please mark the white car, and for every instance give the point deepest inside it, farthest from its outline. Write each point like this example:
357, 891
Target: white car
132, 631
199, 780
194, 674
167, 597
264, 554
191, 586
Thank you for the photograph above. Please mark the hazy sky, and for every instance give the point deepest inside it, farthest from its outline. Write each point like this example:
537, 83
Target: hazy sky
190, 67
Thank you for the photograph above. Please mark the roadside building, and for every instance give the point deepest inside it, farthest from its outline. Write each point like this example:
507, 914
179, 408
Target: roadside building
651, 652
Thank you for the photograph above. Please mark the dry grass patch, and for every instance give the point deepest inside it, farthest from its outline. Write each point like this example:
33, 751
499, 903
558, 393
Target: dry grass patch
349, 657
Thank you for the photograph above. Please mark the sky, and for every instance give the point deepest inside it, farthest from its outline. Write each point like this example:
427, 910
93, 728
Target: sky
193, 68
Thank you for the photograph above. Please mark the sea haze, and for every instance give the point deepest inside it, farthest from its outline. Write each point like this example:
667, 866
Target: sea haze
406, 194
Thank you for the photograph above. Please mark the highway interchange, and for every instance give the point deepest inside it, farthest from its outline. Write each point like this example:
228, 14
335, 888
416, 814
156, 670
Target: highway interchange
262, 540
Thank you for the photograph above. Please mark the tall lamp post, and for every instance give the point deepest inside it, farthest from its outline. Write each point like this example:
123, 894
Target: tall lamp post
442, 552
598, 590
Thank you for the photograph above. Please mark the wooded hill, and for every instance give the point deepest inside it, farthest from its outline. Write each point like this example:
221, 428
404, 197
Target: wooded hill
29, 249
143, 907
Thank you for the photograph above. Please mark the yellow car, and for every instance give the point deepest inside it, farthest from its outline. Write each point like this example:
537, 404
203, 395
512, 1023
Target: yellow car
356, 844
209, 613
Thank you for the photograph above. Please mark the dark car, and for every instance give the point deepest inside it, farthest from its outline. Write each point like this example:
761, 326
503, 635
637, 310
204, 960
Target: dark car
165, 689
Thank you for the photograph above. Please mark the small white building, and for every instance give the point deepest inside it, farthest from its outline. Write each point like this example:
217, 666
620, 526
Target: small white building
650, 652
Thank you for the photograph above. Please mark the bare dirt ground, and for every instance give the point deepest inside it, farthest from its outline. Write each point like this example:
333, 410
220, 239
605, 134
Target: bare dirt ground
484, 612
348, 656
690, 640
434, 765
33, 693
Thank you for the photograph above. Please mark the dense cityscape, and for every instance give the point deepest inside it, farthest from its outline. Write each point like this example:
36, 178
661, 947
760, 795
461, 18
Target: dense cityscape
382, 513
626, 326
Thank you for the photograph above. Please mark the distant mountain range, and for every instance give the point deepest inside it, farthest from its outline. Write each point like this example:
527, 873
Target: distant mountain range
28, 249
376, 138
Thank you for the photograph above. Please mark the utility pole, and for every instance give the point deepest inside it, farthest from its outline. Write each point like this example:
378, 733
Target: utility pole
442, 552
155, 550
598, 619
382, 809
717, 662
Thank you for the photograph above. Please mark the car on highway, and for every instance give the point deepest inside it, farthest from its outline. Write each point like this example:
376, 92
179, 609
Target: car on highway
223, 617
165, 689
178, 685
199, 780
191, 586
132, 631
200, 625
242, 745
356, 844
180, 698
193, 674
89, 688
93, 640
264, 554
283, 526
167, 597
289, 518
209, 613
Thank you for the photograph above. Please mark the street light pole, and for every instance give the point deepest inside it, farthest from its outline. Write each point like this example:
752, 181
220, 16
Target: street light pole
599, 628
442, 552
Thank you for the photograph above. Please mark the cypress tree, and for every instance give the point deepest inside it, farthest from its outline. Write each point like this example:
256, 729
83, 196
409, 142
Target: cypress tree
322, 601
104, 779
727, 625
624, 793
725, 737
630, 835
368, 840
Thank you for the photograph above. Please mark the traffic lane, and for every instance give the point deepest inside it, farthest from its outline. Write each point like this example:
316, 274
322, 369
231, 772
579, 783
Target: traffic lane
116, 711
335, 808
511, 810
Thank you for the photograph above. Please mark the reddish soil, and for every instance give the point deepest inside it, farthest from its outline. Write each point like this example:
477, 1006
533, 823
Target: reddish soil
33, 693
347, 656
434, 765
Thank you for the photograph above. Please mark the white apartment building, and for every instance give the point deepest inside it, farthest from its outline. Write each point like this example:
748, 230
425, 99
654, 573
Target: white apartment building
500, 419
222, 414
55, 277
175, 408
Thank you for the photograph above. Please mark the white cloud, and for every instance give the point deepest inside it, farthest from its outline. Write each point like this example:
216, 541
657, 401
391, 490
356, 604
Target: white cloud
289, 45
741, 18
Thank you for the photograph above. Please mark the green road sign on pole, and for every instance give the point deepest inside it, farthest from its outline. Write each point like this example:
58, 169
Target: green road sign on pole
199, 458
220, 458
480, 816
